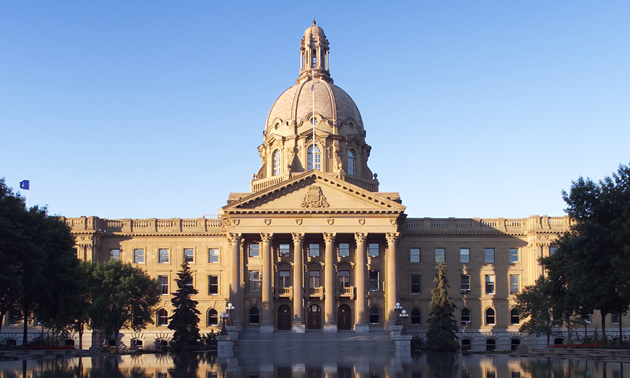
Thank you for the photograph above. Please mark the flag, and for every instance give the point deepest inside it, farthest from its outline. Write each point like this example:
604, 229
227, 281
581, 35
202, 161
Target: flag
25, 184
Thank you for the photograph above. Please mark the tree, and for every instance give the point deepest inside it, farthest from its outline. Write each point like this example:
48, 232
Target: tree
123, 296
185, 318
534, 304
441, 335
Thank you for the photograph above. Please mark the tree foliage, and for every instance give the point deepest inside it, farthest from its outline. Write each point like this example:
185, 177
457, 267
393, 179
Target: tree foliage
442, 333
185, 318
534, 305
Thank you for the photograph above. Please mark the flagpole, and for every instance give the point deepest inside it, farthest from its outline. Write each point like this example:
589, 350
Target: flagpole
28, 195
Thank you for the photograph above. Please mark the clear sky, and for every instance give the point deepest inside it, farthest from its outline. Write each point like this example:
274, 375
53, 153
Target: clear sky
140, 109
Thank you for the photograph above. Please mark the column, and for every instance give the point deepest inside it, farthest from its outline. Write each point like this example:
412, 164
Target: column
235, 287
392, 240
329, 283
266, 325
361, 324
298, 284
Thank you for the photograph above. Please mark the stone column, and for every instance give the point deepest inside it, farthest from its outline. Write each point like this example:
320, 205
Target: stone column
266, 325
235, 286
361, 324
392, 240
298, 284
329, 283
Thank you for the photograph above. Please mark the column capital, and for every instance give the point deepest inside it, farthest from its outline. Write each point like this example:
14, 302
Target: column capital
329, 237
234, 238
266, 238
298, 237
392, 237
360, 237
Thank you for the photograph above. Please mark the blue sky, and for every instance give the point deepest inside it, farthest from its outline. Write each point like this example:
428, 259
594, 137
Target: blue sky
155, 108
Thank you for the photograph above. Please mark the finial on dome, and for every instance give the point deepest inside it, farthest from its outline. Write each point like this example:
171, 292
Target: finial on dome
314, 23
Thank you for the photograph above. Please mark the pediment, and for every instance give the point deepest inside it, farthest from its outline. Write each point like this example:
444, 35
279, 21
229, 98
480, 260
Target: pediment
314, 192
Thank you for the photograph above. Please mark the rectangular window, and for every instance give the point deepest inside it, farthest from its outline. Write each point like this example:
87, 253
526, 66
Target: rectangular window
285, 278
284, 250
415, 284
414, 255
514, 284
513, 255
313, 278
163, 256
254, 250
313, 250
374, 281
439, 255
373, 249
114, 254
213, 285
464, 255
138, 256
344, 278
254, 280
489, 283
213, 255
552, 249
489, 255
614, 318
189, 255
163, 282
344, 249
464, 283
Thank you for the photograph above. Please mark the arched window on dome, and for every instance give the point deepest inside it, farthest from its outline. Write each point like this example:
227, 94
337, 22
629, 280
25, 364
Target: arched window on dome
314, 59
351, 162
317, 158
277, 160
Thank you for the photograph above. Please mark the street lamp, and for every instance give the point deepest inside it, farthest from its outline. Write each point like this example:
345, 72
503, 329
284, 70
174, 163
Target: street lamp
224, 316
397, 308
230, 308
404, 317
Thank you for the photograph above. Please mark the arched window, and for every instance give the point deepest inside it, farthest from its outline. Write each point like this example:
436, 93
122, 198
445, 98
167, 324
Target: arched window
415, 316
277, 160
317, 158
314, 58
491, 344
254, 315
136, 344
490, 318
514, 316
10, 342
351, 162
213, 317
162, 317
465, 316
375, 315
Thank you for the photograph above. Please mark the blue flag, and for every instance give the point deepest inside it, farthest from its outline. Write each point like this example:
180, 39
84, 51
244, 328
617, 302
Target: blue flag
25, 184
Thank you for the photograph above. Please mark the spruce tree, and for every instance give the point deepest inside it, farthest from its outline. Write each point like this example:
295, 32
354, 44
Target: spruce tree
441, 335
185, 318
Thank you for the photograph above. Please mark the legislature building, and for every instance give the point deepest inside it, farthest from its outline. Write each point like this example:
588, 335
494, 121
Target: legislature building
314, 246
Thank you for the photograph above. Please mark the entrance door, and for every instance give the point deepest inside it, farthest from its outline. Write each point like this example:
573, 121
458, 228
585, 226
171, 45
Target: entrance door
284, 318
344, 321
314, 320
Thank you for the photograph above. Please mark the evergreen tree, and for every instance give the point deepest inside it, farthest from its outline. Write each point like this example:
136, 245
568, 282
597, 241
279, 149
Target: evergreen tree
441, 335
185, 318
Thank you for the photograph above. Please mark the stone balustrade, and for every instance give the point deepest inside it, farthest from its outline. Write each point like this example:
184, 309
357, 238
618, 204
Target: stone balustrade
144, 226
479, 225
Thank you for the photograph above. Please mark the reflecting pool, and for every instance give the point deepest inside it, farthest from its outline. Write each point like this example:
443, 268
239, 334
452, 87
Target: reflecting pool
316, 363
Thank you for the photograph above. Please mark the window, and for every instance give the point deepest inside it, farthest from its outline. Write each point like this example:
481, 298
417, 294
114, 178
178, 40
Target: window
162, 317
464, 255
558, 341
344, 249
254, 315
313, 278
514, 343
163, 283
491, 344
284, 278
489, 284
374, 281
276, 163
466, 345
314, 58
490, 319
464, 283
163, 256
254, 280
213, 285
489, 255
344, 278
351, 162
552, 249
465, 317
318, 157
284, 250
375, 315
514, 317
189, 255
513, 255
213, 317
254, 250
114, 254
439, 255
415, 317
414, 255
138, 256
514, 284
213, 255
415, 284
373, 249
313, 250
587, 318
614, 318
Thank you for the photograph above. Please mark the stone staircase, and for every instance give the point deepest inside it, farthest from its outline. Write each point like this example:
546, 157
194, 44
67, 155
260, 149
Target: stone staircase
315, 341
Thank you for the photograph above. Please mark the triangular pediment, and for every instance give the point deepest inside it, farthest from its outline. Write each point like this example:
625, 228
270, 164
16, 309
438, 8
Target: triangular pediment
314, 192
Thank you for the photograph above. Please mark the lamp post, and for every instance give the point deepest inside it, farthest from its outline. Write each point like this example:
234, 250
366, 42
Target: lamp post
404, 317
224, 316
230, 308
397, 308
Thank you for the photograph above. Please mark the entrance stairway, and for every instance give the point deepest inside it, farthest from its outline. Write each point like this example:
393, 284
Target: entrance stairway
315, 341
